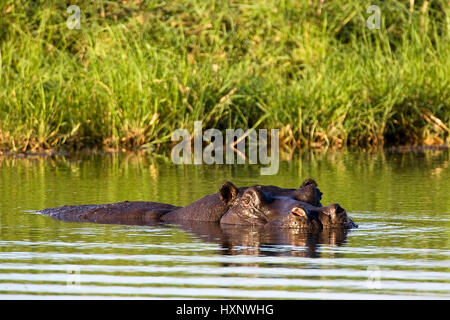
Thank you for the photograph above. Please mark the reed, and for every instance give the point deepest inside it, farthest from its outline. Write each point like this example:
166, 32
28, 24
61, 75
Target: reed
137, 70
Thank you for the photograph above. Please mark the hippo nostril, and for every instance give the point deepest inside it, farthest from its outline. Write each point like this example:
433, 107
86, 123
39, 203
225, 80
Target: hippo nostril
339, 209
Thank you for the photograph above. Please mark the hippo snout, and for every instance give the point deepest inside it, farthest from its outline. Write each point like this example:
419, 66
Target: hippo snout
338, 217
337, 211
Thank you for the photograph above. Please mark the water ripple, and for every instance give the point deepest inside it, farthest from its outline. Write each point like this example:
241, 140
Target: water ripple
224, 259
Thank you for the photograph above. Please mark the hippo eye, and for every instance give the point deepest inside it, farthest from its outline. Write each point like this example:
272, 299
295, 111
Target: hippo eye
299, 212
246, 201
252, 198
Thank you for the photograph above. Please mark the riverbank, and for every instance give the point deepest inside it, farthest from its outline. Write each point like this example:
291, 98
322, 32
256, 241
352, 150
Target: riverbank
285, 155
134, 72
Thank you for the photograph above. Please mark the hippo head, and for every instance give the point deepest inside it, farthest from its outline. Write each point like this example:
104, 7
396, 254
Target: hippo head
268, 206
307, 192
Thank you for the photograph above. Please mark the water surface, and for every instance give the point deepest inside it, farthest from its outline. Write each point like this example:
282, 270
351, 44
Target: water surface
401, 202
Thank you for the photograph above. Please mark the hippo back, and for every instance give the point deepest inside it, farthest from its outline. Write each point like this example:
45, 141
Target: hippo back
121, 213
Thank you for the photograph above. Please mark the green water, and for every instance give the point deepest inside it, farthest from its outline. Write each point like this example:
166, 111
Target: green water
401, 202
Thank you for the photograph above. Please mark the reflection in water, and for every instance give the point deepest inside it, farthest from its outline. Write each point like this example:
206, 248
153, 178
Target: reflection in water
257, 240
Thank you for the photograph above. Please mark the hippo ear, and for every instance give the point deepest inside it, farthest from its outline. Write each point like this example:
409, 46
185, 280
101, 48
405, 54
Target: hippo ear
228, 192
308, 182
310, 194
306, 193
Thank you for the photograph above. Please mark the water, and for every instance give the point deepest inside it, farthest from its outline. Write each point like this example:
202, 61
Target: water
401, 202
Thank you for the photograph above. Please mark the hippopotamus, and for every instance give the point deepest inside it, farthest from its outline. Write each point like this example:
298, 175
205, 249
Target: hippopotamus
267, 206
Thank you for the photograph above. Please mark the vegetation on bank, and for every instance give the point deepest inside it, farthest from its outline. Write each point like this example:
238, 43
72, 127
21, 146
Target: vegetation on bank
137, 70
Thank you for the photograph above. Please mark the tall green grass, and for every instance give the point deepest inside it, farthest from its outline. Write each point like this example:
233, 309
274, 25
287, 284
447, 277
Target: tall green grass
137, 70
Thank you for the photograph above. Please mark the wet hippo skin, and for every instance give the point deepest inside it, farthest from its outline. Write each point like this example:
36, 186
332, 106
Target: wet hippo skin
268, 206
120, 213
